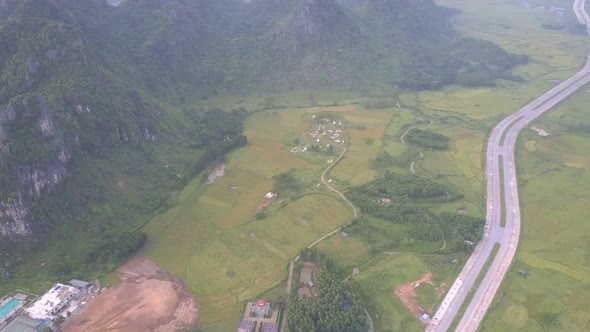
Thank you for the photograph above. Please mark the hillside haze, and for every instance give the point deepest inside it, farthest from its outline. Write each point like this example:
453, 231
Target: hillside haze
95, 131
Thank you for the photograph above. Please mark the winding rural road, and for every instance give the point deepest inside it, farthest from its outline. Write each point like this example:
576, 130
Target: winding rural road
355, 212
503, 221
413, 165
313, 244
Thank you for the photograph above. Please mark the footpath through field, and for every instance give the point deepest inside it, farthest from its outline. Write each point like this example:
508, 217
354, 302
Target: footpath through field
402, 139
313, 244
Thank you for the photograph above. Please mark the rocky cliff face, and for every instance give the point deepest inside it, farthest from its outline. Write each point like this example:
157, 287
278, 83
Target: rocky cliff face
31, 178
58, 100
318, 22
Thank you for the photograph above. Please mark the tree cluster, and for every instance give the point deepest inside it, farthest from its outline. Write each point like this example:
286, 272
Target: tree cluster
427, 139
337, 308
286, 185
127, 244
219, 131
384, 159
395, 198
312, 255
397, 186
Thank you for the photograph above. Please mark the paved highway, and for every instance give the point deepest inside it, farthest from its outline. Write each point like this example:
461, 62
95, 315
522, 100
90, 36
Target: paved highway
502, 183
581, 14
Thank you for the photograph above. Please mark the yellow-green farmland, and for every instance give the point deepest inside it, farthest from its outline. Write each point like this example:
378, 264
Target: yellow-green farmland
212, 239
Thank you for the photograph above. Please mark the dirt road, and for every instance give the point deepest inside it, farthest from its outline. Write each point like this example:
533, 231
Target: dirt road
402, 139
354, 216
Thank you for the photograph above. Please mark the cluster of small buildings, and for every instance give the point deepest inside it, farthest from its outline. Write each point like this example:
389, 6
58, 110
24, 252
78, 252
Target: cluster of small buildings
321, 131
259, 316
326, 130
44, 311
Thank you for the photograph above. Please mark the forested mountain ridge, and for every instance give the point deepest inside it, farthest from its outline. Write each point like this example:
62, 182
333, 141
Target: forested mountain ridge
94, 135
58, 99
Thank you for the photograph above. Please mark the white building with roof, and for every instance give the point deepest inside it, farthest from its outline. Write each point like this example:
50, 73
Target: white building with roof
51, 303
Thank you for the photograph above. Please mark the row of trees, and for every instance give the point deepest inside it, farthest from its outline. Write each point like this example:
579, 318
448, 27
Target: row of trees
127, 244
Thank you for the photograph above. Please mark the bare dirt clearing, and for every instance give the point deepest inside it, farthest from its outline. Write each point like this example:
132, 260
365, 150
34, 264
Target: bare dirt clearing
407, 293
148, 299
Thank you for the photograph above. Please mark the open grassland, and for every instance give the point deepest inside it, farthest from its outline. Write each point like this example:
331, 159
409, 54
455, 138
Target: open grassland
554, 251
377, 282
378, 279
460, 165
368, 240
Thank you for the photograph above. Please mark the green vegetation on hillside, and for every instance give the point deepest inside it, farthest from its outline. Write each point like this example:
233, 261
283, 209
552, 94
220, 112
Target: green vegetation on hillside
286, 44
128, 89
125, 188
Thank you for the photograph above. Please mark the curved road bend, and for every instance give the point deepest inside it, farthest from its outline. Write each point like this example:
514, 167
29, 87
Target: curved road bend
581, 14
413, 165
354, 216
500, 148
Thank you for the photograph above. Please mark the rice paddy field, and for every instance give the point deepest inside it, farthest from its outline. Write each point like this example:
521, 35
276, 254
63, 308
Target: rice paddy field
554, 248
213, 240
366, 140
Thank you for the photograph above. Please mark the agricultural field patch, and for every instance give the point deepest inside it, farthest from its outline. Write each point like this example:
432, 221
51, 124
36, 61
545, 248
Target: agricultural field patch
215, 240
346, 251
377, 283
366, 139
